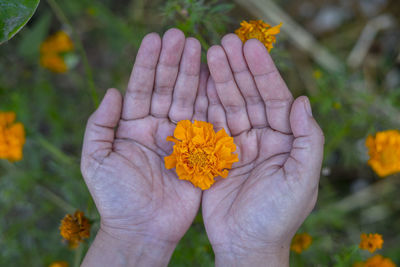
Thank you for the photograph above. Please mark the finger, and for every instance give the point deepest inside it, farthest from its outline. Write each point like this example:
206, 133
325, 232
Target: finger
255, 106
138, 95
201, 104
307, 149
167, 70
272, 88
228, 92
185, 89
216, 112
99, 134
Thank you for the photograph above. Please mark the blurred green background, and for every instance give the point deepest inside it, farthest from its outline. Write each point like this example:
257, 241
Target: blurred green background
345, 55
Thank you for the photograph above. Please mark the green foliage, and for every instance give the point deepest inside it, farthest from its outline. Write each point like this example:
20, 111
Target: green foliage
346, 256
194, 249
204, 20
353, 117
14, 14
33, 36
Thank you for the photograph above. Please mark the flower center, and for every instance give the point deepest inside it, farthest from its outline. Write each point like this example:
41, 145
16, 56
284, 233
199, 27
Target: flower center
198, 158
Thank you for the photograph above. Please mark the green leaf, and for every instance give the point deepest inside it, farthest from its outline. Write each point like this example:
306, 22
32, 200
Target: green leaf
32, 36
14, 14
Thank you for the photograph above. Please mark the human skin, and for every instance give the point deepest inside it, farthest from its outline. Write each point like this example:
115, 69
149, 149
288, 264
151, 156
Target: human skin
252, 215
144, 208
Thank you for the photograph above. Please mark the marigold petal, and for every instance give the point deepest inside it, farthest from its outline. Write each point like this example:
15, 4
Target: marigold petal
170, 161
275, 29
224, 173
371, 242
183, 130
172, 139
12, 137
259, 30
379, 261
75, 228
301, 242
384, 152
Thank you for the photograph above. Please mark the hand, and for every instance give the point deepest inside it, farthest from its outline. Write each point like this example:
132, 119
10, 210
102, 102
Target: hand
139, 201
252, 215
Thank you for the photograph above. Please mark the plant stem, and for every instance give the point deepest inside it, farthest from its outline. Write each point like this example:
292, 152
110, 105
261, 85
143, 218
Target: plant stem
203, 42
63, 19
78, 256
56, 152
56, 199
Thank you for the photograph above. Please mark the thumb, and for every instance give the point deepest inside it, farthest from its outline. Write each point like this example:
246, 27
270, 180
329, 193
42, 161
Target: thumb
308, 146
99, 134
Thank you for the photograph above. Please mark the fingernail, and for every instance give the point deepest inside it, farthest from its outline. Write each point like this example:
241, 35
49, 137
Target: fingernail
307, 106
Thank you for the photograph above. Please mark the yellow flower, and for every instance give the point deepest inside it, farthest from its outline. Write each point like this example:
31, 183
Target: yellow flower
317, 74
336, 105
379, 261
59, 264
371, 242
51, 52
259, 30
12, 137
300, 242
200, 154
384, 152
75, 228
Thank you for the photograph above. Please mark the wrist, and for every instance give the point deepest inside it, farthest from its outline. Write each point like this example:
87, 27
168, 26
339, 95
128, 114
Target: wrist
271, 256
109, 249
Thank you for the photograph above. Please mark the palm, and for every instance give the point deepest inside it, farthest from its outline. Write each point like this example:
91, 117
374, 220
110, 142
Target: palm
125, 172
271, 190
258, 182
143, 193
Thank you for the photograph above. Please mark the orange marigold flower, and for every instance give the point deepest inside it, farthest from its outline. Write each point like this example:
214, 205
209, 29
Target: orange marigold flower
12, 137
51, 52
53, 62
371, 242
259, 30
379, 261
300, 242
57, 43
200, 154
59, 264
384, 152
75, 228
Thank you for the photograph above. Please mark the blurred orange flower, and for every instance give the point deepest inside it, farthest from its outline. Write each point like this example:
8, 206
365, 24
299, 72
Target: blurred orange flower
57, 43
200, 154
301, 242
384, 152
53, 62
59, 264
379, 261
75, 228
257, 29
12, 137
51, 51
371, 242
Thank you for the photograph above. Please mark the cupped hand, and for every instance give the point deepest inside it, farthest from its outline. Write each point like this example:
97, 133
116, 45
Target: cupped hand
125, 143
252, 215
